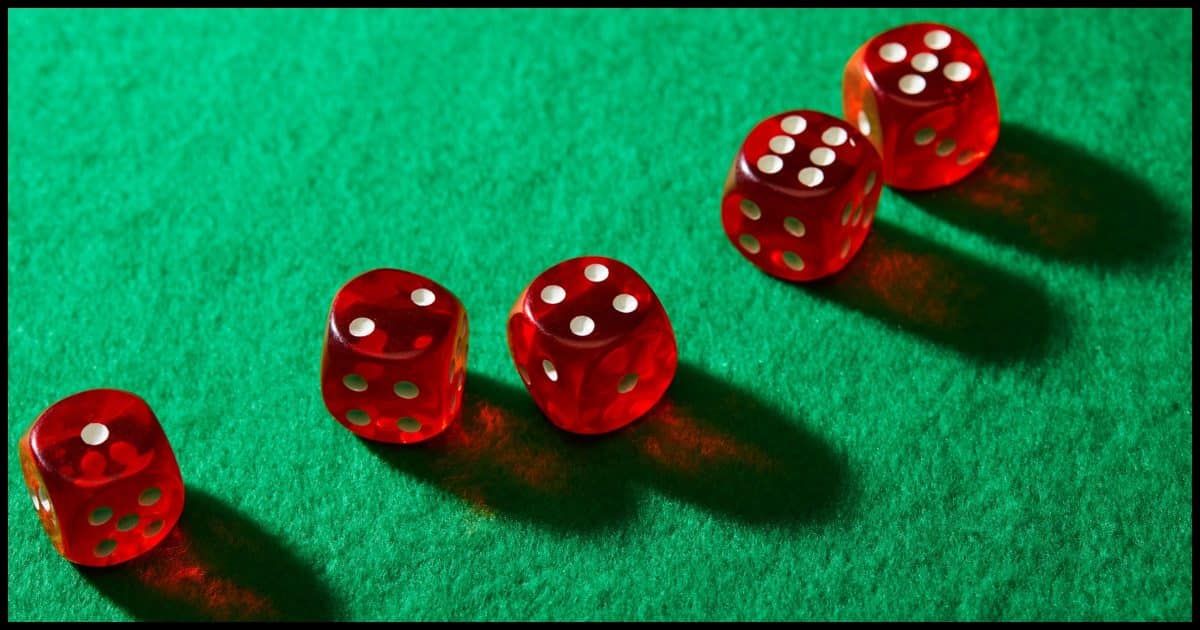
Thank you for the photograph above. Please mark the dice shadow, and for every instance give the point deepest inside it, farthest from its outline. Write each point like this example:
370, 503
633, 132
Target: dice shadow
706, 442
215, 565
984, 312
729, 451
503, 458
1043, 195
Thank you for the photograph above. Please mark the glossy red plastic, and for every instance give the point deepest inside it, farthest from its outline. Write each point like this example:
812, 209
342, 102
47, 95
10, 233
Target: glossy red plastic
102, 476
395, 357
801, 196
592, 343
924, 96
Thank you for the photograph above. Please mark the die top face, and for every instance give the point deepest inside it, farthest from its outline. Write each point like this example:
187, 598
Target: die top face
96, 437
588, 302
392, 314
802, 153
924, 64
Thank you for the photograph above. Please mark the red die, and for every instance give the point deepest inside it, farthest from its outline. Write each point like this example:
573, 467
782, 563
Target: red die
801, 195
924, 97
592, 343
102, 476
395, 357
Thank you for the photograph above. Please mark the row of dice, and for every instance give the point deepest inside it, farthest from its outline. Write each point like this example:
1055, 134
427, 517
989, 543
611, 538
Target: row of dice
588, 337
801, 194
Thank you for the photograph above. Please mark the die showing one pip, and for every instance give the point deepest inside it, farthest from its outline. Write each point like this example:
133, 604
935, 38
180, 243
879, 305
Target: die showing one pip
801, 195
102, 476
395, 357
923, 95
592, 343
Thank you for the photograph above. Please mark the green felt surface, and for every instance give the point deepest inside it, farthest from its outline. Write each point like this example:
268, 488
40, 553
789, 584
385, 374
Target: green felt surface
986, 416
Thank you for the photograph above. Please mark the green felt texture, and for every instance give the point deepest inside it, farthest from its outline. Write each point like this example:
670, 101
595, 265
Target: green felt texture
987, 415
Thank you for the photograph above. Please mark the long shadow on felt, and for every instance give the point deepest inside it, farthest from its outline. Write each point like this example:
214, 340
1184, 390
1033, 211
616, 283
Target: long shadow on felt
218, 565
949, 298
1051, 198
706, 442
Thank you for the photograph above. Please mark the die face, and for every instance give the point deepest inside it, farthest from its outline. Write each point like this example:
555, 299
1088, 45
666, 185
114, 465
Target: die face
103, 477
924, 95
630, 379
395, 356
392, 315
781, 223
122, 520
592, 343
97, 437
587, 303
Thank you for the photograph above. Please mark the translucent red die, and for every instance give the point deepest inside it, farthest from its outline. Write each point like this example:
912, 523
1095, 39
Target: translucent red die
102, 476
592, 343
801, 195
395, 357
923, 95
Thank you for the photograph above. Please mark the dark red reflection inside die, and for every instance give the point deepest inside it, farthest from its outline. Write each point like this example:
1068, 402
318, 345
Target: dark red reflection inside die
924, 96
395, 356
801, 195
592, 343
102, 476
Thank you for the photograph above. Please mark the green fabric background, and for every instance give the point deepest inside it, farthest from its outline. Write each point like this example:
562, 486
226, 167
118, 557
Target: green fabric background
986, 416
